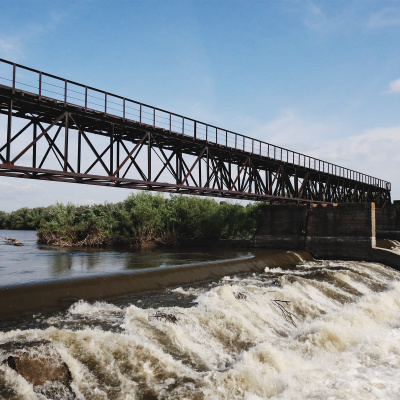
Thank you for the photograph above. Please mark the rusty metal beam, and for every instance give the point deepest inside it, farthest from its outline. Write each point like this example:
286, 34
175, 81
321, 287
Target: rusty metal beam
249, 169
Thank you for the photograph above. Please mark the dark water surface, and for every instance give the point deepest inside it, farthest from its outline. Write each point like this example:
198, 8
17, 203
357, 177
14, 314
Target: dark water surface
34, 263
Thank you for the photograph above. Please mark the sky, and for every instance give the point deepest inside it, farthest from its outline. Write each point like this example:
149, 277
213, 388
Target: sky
321, 77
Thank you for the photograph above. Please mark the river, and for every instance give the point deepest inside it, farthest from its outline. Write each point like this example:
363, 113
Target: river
320, 330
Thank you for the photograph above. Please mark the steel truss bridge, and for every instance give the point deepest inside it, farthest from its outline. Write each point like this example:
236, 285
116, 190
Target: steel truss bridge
59, 130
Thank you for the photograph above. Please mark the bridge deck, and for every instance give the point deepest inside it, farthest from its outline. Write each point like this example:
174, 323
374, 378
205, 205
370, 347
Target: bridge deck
200, 158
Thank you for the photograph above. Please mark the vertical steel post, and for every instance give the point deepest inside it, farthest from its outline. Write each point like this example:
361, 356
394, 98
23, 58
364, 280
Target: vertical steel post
13, 82
149, 158
200, 183
66, 142
230, 172
238, 180
40, 85
118, 145
86, 96
34, 145
111, 169
177, 166
9, 122
208, 169
250, 175
79, 151
65, 92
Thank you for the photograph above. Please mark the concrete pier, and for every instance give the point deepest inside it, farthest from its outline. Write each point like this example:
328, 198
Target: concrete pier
388, 222
344, 231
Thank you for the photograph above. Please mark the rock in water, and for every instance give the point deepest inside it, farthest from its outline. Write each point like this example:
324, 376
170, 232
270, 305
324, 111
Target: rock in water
40, 364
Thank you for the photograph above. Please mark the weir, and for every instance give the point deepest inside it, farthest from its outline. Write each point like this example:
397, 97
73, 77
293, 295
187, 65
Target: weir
61, 294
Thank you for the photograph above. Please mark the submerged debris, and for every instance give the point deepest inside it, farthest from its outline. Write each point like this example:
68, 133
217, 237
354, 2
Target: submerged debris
286, 314
242, 296
13, 241
161, 316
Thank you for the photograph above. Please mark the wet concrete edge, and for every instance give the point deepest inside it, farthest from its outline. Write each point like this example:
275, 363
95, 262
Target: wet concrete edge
60, 294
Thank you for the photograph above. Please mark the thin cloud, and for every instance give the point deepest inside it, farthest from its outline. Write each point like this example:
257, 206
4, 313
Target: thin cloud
5, 184
28, 186
10, 47
373, 152
394, 86
330, 20
293, 131
315, 18
385, 18
352, 15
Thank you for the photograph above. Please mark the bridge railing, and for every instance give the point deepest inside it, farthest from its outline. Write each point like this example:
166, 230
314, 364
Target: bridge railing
44, 85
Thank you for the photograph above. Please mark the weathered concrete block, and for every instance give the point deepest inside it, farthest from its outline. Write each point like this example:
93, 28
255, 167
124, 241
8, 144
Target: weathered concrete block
341, 231
388, 222
283, 227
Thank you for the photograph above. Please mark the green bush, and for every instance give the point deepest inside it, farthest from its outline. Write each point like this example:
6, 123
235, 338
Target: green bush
140, 218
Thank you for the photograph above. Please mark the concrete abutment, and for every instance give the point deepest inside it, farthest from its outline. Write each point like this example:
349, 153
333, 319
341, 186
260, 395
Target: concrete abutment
332, 231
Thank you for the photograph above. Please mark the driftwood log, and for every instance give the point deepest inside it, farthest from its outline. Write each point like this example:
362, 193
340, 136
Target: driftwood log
13, 241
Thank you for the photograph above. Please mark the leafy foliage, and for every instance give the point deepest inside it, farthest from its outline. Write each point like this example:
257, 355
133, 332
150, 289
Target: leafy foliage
139, 219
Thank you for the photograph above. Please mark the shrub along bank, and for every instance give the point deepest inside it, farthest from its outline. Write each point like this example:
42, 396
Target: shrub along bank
140, 219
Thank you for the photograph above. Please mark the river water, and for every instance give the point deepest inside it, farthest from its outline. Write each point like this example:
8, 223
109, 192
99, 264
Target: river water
35, 263
320, 330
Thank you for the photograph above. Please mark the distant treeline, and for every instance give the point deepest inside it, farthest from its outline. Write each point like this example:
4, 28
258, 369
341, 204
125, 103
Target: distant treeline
24, 218
140, 219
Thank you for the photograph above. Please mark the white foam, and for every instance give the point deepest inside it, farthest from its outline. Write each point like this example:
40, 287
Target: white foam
235, 343
84, 308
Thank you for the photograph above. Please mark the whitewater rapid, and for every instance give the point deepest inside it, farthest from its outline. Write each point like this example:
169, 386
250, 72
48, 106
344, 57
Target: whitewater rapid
321, 330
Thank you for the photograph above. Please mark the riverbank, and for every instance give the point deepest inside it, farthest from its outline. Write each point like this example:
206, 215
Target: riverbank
141, 220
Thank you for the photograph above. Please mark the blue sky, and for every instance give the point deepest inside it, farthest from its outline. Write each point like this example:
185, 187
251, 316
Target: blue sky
319, 77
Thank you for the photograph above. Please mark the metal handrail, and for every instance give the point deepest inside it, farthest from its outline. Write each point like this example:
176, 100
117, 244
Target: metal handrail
132, 110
